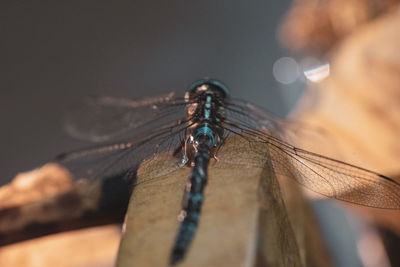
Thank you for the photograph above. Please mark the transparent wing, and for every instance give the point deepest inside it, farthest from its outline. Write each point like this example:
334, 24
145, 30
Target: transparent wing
326, 176
255, 117
122, 158
334, 178
101, 119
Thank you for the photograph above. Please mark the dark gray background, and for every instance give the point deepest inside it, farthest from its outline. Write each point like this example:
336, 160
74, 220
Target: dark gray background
53, 53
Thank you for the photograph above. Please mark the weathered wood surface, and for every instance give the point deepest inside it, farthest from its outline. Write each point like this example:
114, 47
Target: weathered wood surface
244, 219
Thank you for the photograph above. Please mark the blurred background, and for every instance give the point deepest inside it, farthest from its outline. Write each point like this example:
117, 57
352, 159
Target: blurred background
53, 53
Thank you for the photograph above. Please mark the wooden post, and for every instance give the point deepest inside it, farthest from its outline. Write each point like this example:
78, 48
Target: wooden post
244, 220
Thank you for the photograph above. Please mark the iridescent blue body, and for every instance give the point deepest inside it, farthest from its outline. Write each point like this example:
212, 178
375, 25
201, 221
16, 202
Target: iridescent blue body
206, 111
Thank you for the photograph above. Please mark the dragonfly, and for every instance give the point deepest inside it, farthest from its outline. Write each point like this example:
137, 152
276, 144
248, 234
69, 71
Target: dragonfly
193, 128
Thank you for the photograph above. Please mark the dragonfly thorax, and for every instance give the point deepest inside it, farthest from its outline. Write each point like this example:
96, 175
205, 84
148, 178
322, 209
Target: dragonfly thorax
206, 113
206, 101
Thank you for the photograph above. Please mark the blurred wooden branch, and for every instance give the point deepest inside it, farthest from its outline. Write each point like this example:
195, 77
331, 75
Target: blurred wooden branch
359, 103
315, 27
47, 200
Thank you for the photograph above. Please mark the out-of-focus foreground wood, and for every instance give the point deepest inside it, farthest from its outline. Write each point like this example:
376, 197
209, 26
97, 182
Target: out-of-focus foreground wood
244, 220
89, 247
47, 200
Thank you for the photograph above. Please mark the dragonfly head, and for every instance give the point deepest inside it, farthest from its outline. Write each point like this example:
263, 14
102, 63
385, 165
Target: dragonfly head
209, 84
